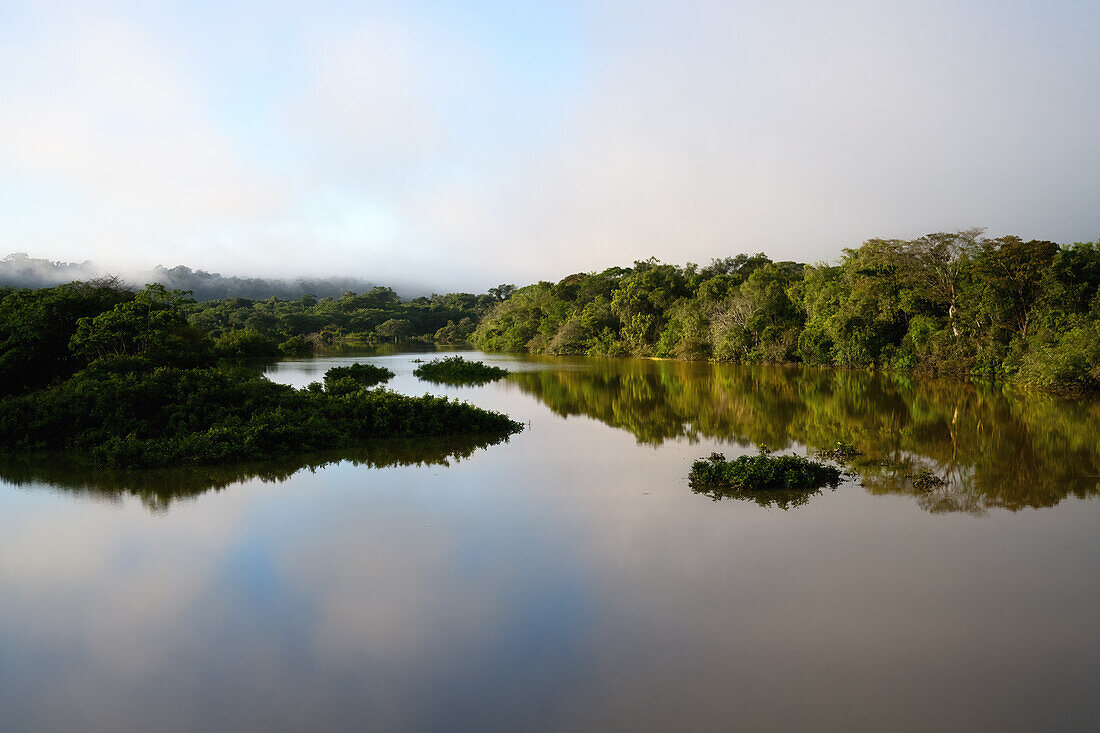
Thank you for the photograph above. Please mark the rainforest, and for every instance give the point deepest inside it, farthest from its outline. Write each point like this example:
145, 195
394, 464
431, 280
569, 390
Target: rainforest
956, 303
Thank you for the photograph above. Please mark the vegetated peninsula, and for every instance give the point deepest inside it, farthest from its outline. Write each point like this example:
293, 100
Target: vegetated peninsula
124, 379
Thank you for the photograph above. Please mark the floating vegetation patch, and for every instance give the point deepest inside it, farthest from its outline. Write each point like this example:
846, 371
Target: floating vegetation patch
344, 379
925, 480
783, 481
841, 452
456, 370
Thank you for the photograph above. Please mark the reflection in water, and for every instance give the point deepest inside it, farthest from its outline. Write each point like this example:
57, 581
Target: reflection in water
158, 488
781, 498
570, 581
991, 448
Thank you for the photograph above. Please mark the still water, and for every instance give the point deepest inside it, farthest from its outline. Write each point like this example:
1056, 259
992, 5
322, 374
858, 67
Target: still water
568, 578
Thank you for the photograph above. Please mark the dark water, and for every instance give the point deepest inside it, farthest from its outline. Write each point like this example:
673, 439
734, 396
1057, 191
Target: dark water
569, 579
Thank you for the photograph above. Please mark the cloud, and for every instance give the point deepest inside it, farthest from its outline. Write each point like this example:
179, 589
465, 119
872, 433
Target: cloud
513, 144
99, 107
799, 129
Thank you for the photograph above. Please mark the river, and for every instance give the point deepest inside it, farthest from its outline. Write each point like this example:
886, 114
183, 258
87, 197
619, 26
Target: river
569, 579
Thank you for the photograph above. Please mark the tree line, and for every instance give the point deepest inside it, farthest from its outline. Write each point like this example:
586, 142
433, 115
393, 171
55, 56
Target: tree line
954, 303
268, 327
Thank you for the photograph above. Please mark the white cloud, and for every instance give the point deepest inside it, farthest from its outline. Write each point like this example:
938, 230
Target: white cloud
101, 109
685, 131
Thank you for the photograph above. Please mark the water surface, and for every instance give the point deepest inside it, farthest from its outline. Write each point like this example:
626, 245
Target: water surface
569, 579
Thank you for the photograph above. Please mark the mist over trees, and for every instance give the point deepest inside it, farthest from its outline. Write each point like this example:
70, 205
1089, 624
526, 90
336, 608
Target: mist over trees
18, 270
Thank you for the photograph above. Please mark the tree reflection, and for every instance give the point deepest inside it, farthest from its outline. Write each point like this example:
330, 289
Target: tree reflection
993, 448
159, 488
781, 498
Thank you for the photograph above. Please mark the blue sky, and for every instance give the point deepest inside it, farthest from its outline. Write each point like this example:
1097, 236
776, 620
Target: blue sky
459, 145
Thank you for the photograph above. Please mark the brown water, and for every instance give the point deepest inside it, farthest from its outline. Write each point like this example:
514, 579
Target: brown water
569, 579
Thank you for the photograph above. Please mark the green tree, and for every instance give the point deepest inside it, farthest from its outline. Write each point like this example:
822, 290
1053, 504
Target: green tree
394, 328
1013, 269
36, 325
152, 325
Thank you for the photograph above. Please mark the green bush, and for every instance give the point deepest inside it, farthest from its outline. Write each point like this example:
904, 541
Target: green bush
296, 346
766, 479
1067, 362
456, 370
356, 375
245, 343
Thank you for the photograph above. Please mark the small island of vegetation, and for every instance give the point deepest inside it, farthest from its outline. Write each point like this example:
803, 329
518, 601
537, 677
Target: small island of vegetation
766, 479
456, 370
349, 378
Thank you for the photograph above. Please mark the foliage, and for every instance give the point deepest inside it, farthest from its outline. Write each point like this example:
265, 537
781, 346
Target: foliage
762, 472
245, 343
151, 326
36, 325
947, 303
455, 333
126, 416
793, 478
951, 303
925, 480
302, 324
296, 346
997, 446
456, 370
356, 375
143, 388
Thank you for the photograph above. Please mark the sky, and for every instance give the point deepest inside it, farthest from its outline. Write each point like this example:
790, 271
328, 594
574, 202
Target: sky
463, 144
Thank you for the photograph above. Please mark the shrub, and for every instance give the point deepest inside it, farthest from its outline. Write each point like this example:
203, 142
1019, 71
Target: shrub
245, 343
781, 480
296, 346
925, 480
456, 370
358, 375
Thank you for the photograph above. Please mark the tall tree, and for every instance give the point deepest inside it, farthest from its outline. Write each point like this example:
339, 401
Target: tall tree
937, 262
1014, 268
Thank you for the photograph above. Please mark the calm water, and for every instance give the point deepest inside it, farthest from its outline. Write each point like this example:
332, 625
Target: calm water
569, 579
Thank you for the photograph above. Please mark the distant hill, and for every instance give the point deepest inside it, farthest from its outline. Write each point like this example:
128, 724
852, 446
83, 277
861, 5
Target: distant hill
21, 271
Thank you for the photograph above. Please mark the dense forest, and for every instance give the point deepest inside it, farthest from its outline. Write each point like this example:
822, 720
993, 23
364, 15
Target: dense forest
956, 303
124, 379
246, 327
950, 303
